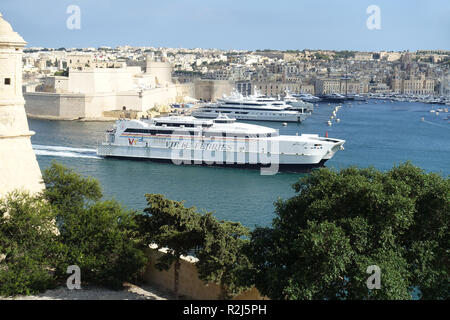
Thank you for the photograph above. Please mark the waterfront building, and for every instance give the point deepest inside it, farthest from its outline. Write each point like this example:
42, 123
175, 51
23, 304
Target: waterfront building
18, 166
327, 86
444, 88
338, 85
273, 88
244, 87
413, 85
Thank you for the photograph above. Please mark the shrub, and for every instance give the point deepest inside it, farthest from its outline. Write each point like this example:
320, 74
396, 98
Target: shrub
28, 245
324, 238
99, 237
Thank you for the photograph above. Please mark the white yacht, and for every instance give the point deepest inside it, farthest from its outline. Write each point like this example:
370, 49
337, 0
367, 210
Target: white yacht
307, 97
252, 108
217, 142
298, 104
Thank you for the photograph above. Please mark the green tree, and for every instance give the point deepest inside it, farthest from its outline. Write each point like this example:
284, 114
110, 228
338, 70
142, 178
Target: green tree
28, 245
99, 236
222, 257
169, 224
339, 223
68, 191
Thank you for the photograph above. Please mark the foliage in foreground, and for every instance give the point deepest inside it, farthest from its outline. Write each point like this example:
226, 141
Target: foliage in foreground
182, 231
222, 255
324, 238
99, 236
28, 245
169, 224
41, 235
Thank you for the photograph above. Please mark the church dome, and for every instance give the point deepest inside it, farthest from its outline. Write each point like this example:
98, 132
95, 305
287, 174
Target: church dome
8, 35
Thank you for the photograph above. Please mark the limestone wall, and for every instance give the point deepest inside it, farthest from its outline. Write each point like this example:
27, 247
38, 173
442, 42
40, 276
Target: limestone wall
55, 105
211, 90
96, 104
100, 80
158, 96
190, 286
185, 90
72, 106
93, 105
69, 106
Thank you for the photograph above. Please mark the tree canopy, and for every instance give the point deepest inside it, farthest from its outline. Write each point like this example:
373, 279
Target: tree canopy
169, 224
222, 256
99, 236
28, 245
324, 238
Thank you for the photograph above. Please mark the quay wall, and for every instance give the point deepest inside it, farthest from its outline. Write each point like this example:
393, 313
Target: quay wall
67, 106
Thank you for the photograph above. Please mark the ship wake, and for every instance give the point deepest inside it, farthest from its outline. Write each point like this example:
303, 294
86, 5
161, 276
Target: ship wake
65, 152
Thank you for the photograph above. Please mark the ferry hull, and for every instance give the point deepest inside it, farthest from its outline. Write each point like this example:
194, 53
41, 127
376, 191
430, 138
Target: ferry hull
279, 162
300, 168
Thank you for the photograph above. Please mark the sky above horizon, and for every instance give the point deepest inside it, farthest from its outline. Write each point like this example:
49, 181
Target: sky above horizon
231, 24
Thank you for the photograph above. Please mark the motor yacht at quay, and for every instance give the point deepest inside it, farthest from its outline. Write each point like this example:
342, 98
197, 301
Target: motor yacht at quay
218, 142
256, 108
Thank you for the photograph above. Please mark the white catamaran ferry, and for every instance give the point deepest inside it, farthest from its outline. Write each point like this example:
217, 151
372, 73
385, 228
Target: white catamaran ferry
217, 142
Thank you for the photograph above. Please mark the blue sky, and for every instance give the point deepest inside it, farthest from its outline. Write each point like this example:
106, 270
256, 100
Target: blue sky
234, 24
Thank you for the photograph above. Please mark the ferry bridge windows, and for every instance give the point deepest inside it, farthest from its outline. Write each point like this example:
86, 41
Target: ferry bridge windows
155, 132
214, 134
7, 81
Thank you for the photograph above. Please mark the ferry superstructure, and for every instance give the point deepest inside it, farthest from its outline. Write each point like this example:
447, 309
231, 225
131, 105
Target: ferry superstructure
217, 142
253, 108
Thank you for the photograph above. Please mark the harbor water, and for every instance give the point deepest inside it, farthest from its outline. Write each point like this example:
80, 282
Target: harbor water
379, 134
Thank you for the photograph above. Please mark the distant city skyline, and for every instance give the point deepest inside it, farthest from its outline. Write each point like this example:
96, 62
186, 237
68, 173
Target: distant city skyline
241, 25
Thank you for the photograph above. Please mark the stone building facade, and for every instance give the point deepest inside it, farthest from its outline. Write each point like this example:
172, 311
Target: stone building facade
413, 85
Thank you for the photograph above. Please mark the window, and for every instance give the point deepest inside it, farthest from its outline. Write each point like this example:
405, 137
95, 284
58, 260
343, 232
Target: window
7, 81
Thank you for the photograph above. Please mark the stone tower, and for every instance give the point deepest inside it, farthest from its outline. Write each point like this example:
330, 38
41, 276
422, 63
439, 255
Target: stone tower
162, 70
18, 166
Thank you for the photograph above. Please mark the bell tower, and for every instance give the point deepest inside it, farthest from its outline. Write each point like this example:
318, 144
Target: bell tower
18, 165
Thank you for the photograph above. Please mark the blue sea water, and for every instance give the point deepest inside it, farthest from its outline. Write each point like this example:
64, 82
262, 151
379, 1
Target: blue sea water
379, 134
